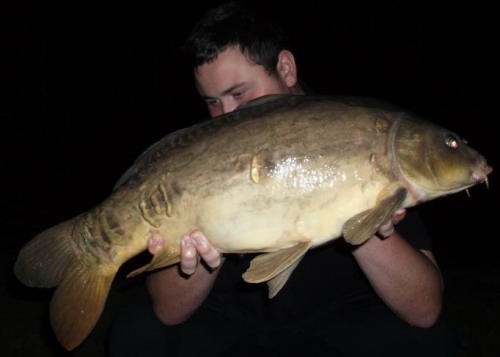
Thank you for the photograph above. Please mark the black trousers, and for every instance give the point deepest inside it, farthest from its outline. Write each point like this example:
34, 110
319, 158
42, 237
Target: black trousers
363, 329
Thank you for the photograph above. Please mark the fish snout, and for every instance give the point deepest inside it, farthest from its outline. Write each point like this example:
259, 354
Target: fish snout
480, 174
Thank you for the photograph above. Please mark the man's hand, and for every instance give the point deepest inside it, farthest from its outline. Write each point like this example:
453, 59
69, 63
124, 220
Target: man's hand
195, 247
387, 229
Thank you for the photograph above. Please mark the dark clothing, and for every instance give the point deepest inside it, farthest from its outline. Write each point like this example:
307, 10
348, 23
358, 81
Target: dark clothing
327, 308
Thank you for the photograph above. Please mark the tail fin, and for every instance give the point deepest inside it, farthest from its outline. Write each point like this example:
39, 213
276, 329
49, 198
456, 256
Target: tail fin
52, 259
43, 261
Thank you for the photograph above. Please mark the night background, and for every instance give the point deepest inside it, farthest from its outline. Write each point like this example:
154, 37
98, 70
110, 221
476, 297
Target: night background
87, 87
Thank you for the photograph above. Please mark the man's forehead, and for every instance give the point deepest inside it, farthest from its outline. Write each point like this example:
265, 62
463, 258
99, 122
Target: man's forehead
228, 72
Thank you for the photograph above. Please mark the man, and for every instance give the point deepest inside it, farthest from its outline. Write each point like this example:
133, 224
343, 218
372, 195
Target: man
381, 298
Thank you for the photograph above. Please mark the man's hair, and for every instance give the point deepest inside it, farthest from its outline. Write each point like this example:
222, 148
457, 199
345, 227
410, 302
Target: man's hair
238, 24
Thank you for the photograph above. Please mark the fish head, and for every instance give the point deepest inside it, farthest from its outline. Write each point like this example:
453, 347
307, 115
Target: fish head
434, 161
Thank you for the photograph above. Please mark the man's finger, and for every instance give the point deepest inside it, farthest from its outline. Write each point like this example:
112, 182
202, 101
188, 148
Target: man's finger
398, 215
207, 252
156, 243
386, 230
189, 256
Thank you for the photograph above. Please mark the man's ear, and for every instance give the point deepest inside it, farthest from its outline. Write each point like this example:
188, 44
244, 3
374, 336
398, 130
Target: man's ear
287, 68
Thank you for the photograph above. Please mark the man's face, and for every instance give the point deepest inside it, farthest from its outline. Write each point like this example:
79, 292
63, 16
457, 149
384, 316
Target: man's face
232, 80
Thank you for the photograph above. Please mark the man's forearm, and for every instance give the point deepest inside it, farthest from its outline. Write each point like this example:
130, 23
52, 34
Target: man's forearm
406, 279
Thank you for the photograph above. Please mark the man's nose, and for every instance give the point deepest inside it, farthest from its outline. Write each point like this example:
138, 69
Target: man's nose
227, 106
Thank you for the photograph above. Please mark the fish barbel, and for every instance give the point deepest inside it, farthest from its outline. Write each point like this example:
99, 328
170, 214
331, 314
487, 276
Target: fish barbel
279, 176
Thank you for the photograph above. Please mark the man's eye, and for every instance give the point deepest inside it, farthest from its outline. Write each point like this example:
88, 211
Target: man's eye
238, 94
211, 103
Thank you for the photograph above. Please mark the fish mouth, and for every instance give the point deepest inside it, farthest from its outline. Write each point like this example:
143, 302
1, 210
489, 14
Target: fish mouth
480, 175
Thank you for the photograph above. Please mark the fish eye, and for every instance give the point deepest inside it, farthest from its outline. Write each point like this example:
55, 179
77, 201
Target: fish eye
452, 141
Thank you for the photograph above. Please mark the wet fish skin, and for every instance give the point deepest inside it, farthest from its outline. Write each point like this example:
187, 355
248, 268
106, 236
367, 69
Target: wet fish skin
280, 176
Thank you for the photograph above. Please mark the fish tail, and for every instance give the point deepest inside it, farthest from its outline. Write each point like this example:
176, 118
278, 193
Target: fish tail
78, 303
52, 259
43, 261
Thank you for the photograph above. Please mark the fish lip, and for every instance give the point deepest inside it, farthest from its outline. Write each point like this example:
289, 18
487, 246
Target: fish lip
482, 172
480, 175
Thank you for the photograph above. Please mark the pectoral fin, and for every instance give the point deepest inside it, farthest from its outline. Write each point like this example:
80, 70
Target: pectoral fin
364, 225
275, 284
275, 267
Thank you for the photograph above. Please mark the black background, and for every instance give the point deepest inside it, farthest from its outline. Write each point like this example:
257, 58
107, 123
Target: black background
88, 86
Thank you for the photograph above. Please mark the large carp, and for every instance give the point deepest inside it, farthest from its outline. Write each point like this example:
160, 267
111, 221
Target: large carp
280, 176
